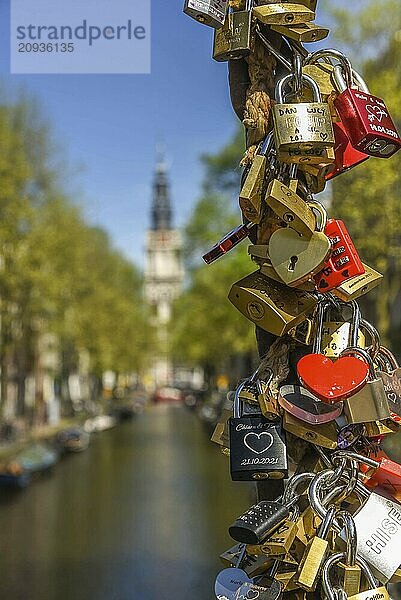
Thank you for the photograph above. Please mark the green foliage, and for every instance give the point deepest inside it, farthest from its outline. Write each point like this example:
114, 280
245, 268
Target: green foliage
57, 274
207, 328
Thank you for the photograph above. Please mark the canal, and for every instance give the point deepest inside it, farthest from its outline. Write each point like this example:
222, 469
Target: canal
141, 515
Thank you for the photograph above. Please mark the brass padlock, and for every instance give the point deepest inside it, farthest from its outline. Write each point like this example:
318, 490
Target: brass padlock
301, 128
259, 254
290, 207
370, 403
305, 32
358, 286
324, 435
207, 12
336, 337
233, 40
281, 13
269, 304
250, 198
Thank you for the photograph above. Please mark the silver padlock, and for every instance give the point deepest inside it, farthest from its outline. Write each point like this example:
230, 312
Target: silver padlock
207, 12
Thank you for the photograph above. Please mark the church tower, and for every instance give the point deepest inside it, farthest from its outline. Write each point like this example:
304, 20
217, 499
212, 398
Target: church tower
163, 266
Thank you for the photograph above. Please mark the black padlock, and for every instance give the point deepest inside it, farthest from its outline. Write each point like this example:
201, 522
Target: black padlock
257, 446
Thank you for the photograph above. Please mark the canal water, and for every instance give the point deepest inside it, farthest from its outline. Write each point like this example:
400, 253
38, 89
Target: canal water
141, 515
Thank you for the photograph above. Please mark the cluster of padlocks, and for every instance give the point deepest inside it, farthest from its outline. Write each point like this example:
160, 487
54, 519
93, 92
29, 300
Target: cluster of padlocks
335, 528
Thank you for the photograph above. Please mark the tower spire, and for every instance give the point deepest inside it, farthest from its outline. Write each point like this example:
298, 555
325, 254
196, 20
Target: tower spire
161, 207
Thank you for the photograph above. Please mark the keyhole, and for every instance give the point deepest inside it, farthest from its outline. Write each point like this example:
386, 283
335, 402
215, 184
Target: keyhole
289, 18
293, 262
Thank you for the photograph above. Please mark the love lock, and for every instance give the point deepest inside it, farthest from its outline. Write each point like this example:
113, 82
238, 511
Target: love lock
333, 381
257, 446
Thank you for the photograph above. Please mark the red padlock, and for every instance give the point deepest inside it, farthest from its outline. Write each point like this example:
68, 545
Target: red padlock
346, 156
365, 117
344, 261
379, 471
228, 242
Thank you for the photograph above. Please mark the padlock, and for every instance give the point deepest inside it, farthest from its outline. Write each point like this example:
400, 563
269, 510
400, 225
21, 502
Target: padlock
344, 262
304, 32
257, 446
380, 471
315, 554
378, 526
280, 542
346, 156
333, 381
324, 434
391, 376
250, 198
303, 128
338, 335
207, 12
281, 13
360, 285
259, 254
229, 580
267, 402
269, 304
349, 571
291, 208
374, 592
370, 402
321, 72
365, 117
297, 258
233, 40
305, 406
260, 520
228, 242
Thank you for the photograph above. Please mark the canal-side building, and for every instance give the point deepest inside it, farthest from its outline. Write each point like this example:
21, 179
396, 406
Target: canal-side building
164, 273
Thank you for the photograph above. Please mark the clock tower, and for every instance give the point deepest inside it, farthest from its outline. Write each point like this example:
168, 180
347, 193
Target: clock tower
163, 268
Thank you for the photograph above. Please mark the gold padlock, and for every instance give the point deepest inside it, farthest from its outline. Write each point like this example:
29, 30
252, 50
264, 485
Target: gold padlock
301, 128
305, 32
336, 336
250, 198
281, 13
269, 304
290, 207
324, 435
359, 286
233, 40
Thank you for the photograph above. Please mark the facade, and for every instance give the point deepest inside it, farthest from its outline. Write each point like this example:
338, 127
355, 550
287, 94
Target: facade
163, 269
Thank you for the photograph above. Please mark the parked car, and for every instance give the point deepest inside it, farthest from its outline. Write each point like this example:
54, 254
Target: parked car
167, 394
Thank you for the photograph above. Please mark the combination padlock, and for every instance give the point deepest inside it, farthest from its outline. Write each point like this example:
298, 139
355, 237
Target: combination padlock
344, 262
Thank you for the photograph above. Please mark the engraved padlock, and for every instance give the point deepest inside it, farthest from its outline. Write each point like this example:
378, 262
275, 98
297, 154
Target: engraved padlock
301, 129
366, 118
257, 446
250, 198
233, 40
269, 304
207, 12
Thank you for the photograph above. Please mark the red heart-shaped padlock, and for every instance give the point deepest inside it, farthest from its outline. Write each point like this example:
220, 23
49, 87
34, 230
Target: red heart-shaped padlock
332, 381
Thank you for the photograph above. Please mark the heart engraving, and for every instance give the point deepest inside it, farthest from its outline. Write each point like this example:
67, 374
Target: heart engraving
258, 442
252, 595
332, 381
296, 258
375, 113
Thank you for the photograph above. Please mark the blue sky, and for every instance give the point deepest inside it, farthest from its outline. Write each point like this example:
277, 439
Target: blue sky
108, 125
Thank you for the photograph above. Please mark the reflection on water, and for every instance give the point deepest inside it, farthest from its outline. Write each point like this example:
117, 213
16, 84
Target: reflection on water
141, 515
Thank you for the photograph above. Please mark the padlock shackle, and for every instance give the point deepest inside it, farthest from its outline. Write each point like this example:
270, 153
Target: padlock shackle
333, 560
364, 354
315, 205
279, 91
320, 311
276, 53
237, 401
267, 144
389, 356
375, 337
346, 519
332, 52
327, 522
356, 457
